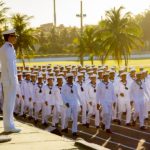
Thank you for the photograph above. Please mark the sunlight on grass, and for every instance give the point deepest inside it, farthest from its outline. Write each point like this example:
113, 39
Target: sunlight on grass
137, 63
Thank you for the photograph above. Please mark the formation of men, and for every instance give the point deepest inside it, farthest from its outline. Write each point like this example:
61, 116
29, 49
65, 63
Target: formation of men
64, 92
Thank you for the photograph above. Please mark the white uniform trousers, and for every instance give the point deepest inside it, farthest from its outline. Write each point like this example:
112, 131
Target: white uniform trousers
59, 111
107, 115
91, 109
139, 111
37, 108
46, 112
84, 113
124, 107
8, 107
115, 112
72, 110
17, 105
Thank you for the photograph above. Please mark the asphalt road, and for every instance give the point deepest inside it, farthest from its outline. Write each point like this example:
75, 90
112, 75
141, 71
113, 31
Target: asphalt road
122, 138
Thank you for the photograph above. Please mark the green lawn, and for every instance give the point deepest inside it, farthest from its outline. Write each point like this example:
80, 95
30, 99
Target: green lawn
137, 63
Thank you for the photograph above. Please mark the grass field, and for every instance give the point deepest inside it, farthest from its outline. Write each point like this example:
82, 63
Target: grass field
137, 63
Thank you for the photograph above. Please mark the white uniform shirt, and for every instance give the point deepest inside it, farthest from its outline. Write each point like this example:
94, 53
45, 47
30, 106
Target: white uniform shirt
72, 98
49, 94
139, 93
105, 94
58, 97
82, 92
39, 93
8, 64
125, 89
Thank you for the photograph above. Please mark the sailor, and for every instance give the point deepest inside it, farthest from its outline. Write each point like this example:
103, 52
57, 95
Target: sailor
27, 93
9, 79
106, 98
49, 102
72, 101
60, 106
19, 100
91, 100
139, 96
39, 98
124, 101
82, 93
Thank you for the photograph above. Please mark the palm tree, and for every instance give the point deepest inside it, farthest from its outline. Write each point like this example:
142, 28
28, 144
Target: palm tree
3, 10
120, 35
26, 36
90, 41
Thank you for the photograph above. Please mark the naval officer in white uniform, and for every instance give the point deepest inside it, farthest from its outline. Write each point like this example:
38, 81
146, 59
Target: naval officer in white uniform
9, 79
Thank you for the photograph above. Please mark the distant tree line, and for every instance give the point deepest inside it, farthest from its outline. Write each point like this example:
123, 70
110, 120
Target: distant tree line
116, 36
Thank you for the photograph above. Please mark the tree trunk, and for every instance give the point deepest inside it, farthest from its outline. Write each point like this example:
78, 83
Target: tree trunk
81, 58
22, 58
23, 62
102, 60
92, 60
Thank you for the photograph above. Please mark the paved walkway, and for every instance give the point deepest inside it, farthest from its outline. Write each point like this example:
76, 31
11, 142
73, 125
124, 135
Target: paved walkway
32, 138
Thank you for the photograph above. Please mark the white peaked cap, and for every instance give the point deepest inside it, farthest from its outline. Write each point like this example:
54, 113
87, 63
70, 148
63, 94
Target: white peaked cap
69, 75
79, 74
106, 74
40, 76
50, 77
93, 76
124, 73
9, 32
60, 77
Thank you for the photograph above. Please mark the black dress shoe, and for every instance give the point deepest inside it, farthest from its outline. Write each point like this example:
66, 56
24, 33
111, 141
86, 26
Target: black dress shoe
87, 125
102, 126
133, 123
128, 124
119, 122
114, 120
35, 122
56, 125
24, 115
84, 124
45, 124
65, 130
30, 117
74, 134
108, 131
142, 128
97, 127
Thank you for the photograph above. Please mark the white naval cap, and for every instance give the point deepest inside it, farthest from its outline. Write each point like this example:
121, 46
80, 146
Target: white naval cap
124, 73
40, 76
12, 31
106, 74
132, 70
93, 76
50, 77
79, 74
59, 77
138, 73
69, 75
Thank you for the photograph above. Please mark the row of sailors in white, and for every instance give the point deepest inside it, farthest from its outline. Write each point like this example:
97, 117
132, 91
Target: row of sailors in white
110, 93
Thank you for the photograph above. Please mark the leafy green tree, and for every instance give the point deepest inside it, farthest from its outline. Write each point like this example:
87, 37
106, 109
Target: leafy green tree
26, 36
3, 10
145, 25
120, 35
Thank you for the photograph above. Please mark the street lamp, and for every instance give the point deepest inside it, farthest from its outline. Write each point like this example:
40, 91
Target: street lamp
81, 16
54, 6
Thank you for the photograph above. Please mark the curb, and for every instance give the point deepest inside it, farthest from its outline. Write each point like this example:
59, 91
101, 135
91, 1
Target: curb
81, 143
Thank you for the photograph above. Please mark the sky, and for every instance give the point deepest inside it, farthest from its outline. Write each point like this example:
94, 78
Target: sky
42, 10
